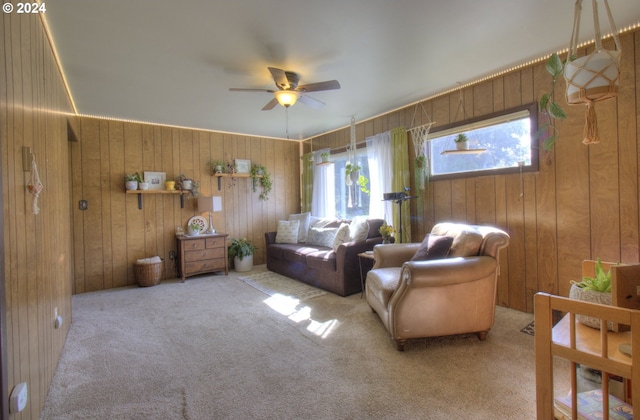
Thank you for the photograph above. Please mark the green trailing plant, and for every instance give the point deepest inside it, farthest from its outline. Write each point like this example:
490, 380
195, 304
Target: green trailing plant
261, 178
600, 283
351, 167
241, 248
195, 185
548, 106
363, 183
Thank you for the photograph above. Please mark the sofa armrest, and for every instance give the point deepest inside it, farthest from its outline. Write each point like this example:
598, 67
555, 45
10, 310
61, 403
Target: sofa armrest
393, 255
349, 251
269, 238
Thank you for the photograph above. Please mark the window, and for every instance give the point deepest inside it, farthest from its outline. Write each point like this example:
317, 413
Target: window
498, 143
350, 200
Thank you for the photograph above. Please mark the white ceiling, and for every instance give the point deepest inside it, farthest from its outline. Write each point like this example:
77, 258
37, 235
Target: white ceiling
172, 62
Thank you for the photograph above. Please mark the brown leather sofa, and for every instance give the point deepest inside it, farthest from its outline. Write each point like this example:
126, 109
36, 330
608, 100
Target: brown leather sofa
447, 296
336, 271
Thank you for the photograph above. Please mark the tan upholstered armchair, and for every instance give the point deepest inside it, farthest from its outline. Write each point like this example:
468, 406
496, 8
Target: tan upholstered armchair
437, 297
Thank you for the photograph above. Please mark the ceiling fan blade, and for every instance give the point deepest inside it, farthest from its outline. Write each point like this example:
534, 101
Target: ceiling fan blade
315, 87
270, 105
250, 90
312, 102
280, 77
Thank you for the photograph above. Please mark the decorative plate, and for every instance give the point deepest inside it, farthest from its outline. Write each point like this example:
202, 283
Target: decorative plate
200, 221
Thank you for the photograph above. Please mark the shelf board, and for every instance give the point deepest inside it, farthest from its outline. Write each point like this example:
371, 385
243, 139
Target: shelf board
223, 175
140, 192
463, 152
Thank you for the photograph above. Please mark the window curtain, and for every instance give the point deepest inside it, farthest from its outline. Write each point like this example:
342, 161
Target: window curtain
401, 179
380, 157
323, 198
307, 182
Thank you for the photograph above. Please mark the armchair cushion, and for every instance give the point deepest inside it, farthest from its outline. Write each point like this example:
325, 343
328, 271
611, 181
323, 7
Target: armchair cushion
466, 238
433, 247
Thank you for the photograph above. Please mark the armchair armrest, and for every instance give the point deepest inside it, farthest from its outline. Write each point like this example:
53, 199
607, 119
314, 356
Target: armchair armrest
393, 255
447, 271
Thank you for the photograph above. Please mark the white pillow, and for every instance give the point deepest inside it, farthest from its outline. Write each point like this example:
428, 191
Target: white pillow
287, 232
322, 236
304, 219
342, 236
359, 228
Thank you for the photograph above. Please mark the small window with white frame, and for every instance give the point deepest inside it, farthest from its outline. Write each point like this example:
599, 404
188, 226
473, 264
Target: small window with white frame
495, 144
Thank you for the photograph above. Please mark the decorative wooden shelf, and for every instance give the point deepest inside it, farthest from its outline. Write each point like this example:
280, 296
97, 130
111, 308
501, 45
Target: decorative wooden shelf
140, 192
463, 152
223, 175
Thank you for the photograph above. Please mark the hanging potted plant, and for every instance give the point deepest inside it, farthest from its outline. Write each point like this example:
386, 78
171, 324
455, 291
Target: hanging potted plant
421, 171
216, 166
548, 106
241, 250
261, 178
461, 141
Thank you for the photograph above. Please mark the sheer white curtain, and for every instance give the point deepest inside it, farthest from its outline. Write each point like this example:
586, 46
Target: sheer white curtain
323, 202
380, 156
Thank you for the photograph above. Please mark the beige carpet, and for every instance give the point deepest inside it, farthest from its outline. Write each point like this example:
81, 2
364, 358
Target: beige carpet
216, 348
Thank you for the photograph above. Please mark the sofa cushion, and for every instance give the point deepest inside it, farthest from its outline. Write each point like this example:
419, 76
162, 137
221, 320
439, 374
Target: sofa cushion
305, 221
359, 228
466, 240
322, 236
433, 247
323, 259
374, 227
342, 236
287, 232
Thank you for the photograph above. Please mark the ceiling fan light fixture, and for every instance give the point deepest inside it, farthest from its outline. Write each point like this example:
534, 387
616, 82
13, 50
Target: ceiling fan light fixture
286, 98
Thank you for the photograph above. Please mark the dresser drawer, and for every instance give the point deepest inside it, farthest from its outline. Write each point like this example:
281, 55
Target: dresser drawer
204, 254
206, 265
215, 243
193, 244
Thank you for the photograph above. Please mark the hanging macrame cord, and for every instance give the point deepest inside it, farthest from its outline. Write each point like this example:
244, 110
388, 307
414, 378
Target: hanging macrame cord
35, 187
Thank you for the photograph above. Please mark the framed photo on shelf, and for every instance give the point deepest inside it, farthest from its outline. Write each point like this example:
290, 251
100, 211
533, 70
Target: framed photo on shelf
243, 166
155, 179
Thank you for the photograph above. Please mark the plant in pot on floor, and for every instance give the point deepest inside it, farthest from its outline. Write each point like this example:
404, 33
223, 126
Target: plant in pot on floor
241, 250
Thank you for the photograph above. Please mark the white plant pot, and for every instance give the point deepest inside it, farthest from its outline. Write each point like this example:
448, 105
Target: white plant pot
143, 185
192, 231
245, 264
131, 185
462, 145
186, 185
592, 296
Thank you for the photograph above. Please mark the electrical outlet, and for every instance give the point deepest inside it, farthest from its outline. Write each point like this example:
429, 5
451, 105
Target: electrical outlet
173, 255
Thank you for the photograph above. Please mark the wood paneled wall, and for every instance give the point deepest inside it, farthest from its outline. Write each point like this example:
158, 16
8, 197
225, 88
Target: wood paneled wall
37, 248
113, 233
581, 204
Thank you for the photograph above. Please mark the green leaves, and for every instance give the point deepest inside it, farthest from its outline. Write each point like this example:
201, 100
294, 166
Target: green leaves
600, 283
548, 106
554, 66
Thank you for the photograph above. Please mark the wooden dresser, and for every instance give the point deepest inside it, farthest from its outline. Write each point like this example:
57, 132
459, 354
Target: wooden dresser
202, 254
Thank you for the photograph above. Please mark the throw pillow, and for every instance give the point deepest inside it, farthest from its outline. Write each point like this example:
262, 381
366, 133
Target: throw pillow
322, 236
433, 247
304, 219
287, 232
359, 228
342, 236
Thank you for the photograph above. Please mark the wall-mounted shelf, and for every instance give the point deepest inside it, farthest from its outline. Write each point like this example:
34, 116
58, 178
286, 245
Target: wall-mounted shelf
141, 192
220, 176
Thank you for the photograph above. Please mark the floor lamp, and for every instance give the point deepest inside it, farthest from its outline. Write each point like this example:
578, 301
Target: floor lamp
399, 198
211, 205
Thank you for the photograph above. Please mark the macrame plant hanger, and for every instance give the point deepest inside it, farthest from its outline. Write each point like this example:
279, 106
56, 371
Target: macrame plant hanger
351, 160
419, 137
464, 149
594, 77
35, 186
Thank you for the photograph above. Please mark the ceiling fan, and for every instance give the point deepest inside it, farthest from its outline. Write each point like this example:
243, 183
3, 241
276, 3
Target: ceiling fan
289, 92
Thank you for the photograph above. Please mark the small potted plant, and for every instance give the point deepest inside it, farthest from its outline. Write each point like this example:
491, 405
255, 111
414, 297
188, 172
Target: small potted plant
324, 156
241, 250
131, 181
217, 166
593, 289
461, 141
194, 229
262, 178
352, 171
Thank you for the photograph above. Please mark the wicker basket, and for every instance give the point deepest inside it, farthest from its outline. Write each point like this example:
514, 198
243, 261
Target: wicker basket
149, 274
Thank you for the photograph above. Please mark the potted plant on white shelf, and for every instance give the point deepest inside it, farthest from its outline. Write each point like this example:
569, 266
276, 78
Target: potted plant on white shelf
461, 141
241, 250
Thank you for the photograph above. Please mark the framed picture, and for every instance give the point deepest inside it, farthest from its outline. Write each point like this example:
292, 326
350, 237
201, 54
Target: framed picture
243, 166
155, 180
